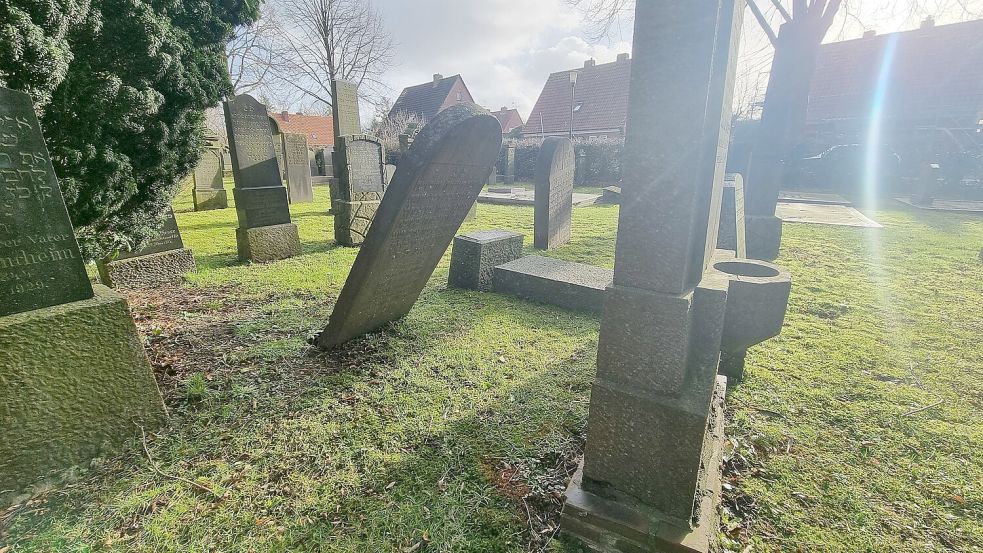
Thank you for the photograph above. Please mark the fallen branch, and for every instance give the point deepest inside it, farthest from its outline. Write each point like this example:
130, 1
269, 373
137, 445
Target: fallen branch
920, 409
156, 469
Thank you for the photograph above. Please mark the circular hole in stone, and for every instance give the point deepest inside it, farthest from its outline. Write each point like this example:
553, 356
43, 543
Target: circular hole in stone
745, 269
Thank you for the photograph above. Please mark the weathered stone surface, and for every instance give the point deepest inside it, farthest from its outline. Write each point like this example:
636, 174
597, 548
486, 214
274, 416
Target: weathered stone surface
261, 207
347, 120
389, 170
352, 221
207, 200
554, 281
209, 173
75, 384
40, 263
763, 237
269, 243
362, 183
148, 271
554, 193
493, 176
475, 256
298, 168
438, 181
509, 169
611, 195
251, 144
731, 233
167, 239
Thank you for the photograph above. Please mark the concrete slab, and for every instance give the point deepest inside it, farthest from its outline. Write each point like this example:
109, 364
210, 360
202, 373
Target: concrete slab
822, 214
528, 197
553, 281
806, 197
954, 206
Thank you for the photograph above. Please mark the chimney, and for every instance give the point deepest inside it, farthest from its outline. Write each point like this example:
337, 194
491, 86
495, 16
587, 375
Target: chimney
589, 63
285, 115
624, 57
437, 77
928, 23
504, 109
870, 34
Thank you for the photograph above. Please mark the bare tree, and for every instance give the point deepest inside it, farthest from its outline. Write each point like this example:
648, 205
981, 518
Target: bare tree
253, 52
325, 40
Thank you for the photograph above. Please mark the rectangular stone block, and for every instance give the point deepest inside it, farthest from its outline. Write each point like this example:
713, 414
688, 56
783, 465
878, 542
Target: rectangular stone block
261, 207
554, 281
147, 271
475, 255
352, 221
298, 168
207, 200
74, 384
554, 193
265, 244
731, 231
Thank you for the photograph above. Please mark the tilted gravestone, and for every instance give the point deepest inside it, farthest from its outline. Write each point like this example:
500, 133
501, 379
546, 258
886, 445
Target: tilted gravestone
209, 182
298, 168
163, 260
554, 193
361, 186
265, 232
74, 379
509, 169
437, 182
347, 120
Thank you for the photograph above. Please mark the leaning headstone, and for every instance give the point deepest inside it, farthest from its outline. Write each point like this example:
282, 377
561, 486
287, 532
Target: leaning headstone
209, 182
347, 120
438, 181
509, 169
554, 193
475, 256
299, 188
265, 232
361, 186
731, 233
75, 382
163, 260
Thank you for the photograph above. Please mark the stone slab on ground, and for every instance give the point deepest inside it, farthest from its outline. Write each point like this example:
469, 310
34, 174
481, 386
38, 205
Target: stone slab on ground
475, 256
554, 281
265, 244
611, 195
75, 385
955, 206
806, 197
148, 271
528, 197
820, 214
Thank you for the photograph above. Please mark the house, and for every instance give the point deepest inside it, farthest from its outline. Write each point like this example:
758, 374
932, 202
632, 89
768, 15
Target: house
509, 119
318, 128
428, 99
924, 87
590, 102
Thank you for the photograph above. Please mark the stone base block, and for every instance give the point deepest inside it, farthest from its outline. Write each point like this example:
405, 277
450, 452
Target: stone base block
763, 236
75, 384
611, 195
207, 200
265, 244
553, 281
352, 221
475, 256
616, 522
147, 271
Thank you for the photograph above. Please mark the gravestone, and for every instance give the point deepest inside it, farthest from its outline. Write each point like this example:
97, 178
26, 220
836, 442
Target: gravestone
928, 184
731, 233
554, 193
209, 182
227, 164
295, 154
74, 379
554, 281
509, 169
163, 260
493, 176
580, 175
347, 120
438, 181
265, 232
475, 256
389, 170
281, 161
361, 186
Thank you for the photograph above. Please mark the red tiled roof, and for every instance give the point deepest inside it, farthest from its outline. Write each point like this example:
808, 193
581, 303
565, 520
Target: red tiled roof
428, 99
937, 73
318, 128
508, 118
602, 92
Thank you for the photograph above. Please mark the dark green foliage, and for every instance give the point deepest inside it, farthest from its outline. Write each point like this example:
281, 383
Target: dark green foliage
603, 159
125, 123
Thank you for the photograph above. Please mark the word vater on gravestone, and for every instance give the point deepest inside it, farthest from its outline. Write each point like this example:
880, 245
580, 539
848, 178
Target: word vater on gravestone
74, 379
265, 232
361, 186
650, 477
437, 182
209, 176
299, 187
554, 193
163, 260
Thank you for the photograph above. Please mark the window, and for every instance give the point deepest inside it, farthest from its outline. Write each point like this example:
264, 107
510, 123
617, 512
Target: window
460, 97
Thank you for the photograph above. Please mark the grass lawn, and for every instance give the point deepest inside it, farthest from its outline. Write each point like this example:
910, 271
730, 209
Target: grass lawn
456, 428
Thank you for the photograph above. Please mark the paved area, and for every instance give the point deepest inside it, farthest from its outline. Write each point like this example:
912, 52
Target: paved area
805, 197
824, 214
960, 206
527, 197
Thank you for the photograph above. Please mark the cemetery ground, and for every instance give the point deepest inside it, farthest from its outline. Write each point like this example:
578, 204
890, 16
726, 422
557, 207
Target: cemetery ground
859, 428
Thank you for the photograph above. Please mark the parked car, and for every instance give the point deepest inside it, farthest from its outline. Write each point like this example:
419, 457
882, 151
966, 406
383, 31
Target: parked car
844, 168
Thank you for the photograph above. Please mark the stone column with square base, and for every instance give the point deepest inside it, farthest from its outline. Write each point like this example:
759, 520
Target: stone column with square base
74, 379
209, 182
554, 193
265, 232
298, 168
361, 186
475, 256
164, 260
649, 480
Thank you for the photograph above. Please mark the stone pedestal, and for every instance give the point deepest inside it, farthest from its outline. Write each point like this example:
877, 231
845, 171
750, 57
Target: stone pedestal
763, 235
207, 200
265, 244
147, 271
475, 256
75, 384
352, 221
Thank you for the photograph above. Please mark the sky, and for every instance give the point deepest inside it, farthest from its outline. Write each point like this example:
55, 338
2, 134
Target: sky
506, 49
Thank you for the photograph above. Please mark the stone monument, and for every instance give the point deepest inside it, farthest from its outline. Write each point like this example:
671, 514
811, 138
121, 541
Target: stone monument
438, 181
509, 169
361, 186
554, 193
298, 168
650, 475
265, 232
347, 120
731, 232
209, 182
75, 382
475, 256
163, 260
